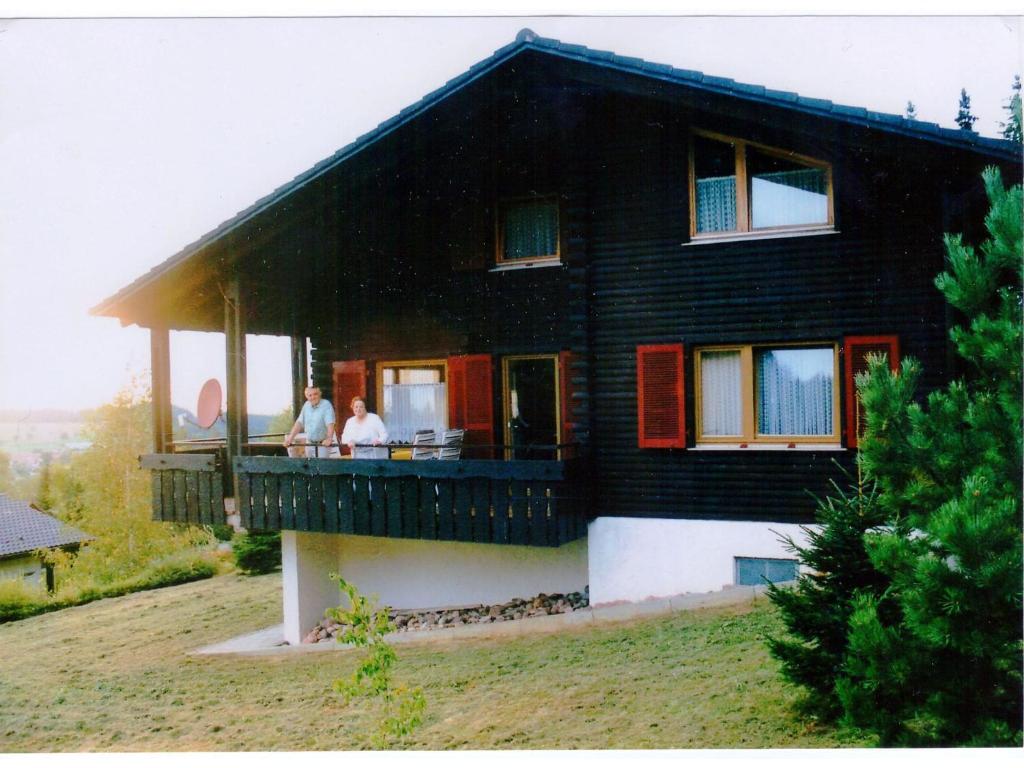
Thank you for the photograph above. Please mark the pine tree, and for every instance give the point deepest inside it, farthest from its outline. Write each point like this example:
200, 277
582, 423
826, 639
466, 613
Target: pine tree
1011, 129
964, 118
911, 113
939, 661
817, 611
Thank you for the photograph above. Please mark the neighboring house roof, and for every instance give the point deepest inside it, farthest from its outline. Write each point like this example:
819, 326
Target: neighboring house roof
24, 529
527, 40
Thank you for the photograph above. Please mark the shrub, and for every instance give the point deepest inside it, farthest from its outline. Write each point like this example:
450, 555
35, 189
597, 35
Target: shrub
366, 626
19, 600
257, 552
817, 611
222, 532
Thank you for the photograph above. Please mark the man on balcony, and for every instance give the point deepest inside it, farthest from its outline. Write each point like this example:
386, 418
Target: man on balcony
316, 423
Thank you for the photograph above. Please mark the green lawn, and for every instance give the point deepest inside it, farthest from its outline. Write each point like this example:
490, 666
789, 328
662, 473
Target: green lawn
113, 675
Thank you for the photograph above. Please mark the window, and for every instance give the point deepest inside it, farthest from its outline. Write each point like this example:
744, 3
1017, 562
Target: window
752, 571
413, 396
767, 394
528, 230
739, 187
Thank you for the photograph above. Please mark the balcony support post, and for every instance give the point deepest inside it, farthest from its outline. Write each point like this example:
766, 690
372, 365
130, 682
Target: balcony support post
234, 343
300, 364
160, 388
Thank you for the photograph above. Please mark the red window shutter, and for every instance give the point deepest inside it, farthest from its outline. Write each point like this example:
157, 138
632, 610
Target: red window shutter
566, 390
349, 381
856, 350
661, 411
471, 398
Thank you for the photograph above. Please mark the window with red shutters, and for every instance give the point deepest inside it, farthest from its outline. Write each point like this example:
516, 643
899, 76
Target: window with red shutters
349, 381
661, 411
856, 350
471, 398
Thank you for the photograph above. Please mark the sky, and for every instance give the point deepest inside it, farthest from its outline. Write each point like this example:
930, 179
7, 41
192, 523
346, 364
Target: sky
123, 140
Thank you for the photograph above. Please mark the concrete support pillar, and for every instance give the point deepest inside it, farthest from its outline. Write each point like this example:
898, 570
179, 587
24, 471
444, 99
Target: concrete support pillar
160, 388
307, 560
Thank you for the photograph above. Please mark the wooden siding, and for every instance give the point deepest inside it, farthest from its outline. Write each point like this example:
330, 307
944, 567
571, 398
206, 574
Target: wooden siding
651, 286
536, 503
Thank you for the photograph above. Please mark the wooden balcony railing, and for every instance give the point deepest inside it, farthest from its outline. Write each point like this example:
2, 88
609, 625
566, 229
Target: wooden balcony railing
527, 501
530, 502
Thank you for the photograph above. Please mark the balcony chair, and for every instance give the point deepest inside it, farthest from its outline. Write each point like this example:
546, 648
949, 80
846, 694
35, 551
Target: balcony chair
424, 437
451, 441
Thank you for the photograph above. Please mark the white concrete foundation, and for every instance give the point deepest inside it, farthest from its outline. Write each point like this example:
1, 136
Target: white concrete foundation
307, 560
638, 558
409, 573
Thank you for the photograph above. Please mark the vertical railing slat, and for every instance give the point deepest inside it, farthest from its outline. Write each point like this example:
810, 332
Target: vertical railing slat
499, 501
301, 496
361, 505
346, 504
445, 516
481, 509
538, 513
242, 500
428, 508
272, 489
206, 515
463, 511
378, 507
393, 490
331, 503
519, 525
316, 503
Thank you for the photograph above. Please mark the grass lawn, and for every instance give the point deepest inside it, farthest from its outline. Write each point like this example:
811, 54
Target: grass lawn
113, 675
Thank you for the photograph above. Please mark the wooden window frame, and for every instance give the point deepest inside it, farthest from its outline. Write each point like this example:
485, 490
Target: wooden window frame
381, 365
749, 405
744, 228
499, 231
506, 396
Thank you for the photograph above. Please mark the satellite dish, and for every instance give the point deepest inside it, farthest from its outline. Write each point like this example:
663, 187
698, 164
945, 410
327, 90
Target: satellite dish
208, 408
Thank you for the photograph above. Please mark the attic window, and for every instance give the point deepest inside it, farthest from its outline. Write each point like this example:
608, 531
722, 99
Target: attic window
528, 230
738, 187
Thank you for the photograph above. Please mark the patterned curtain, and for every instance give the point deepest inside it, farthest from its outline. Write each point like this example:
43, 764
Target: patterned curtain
716, 204
794, 391
721, 403
411, 407
531, 230
784, 198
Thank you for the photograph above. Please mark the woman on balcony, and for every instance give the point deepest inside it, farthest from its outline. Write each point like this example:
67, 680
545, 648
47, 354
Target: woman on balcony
364, 429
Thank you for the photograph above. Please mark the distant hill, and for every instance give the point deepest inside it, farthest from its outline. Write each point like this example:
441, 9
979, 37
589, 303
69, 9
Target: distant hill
258, 424
39, 415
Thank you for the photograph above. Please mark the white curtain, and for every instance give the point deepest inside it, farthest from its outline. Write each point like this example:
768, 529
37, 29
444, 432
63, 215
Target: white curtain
411, 407
716, 204
789, 198
720, 399
531, 230
794, 390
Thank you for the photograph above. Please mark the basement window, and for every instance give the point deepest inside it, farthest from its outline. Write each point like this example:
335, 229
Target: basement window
752, 571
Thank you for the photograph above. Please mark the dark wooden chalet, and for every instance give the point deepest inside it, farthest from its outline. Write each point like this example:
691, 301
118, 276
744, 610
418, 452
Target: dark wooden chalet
645, 290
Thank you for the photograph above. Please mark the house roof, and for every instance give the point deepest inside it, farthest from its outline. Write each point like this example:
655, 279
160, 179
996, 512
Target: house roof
527, 40
24, 529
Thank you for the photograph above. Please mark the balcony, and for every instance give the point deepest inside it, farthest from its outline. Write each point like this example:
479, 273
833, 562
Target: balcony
530, 502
